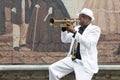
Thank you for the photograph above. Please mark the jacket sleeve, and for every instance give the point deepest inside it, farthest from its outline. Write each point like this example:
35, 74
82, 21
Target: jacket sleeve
89, 40
33, 3
66, 37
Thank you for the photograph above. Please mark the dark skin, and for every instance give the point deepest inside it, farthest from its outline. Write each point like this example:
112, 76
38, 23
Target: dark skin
84, 20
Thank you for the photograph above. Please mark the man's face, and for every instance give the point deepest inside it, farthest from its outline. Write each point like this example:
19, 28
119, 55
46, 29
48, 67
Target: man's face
84, 19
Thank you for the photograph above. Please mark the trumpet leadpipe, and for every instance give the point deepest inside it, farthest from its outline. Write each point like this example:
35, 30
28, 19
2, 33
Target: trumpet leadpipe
62, 21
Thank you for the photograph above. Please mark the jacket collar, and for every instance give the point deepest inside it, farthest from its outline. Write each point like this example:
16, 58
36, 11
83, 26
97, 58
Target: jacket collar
87, 28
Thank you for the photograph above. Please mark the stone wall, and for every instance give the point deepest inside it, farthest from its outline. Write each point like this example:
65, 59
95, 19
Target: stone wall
44, 75
108, 49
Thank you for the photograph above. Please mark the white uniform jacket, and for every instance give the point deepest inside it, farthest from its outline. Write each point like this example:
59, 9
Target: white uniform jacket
88, 46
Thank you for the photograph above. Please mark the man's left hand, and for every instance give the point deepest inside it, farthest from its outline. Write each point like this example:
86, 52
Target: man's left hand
71, 29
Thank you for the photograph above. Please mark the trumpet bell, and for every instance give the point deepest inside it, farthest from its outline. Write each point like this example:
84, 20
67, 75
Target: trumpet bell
51, 20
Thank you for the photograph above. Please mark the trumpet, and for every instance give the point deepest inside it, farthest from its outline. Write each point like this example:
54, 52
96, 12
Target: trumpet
63, 22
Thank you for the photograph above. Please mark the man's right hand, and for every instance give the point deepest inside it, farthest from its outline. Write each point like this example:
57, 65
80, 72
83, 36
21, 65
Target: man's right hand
71, 29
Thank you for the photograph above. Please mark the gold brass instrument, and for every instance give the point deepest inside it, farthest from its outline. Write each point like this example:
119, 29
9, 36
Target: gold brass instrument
63, 22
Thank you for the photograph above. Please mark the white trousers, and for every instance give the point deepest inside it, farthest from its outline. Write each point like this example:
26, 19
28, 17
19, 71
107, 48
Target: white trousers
65, 66
19, 34
20, 30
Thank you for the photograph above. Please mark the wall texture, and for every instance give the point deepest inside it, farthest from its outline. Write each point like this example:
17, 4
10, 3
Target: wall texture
43, 75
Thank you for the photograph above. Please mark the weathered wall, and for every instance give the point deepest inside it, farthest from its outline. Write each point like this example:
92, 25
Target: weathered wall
44, 75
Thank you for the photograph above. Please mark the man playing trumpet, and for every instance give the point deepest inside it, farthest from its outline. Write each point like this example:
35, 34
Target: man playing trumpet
82, 56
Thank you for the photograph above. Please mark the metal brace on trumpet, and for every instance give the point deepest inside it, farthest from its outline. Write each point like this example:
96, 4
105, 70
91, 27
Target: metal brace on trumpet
64, 23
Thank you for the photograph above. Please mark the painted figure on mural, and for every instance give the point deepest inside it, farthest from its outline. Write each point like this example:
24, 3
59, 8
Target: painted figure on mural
20, 16
2, 17
46, 37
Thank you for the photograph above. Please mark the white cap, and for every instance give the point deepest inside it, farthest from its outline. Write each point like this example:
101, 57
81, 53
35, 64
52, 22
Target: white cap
87, 12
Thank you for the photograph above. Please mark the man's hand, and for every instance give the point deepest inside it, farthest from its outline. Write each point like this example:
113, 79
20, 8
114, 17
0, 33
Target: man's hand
71, 29
68, 27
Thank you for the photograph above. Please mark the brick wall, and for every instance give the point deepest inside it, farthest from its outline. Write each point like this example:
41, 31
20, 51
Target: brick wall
44, 75
108, 48
108, 52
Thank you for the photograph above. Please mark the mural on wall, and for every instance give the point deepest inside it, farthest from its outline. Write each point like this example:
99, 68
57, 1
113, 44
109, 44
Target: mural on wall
41, 37
45, 37
27, 22
2, 17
